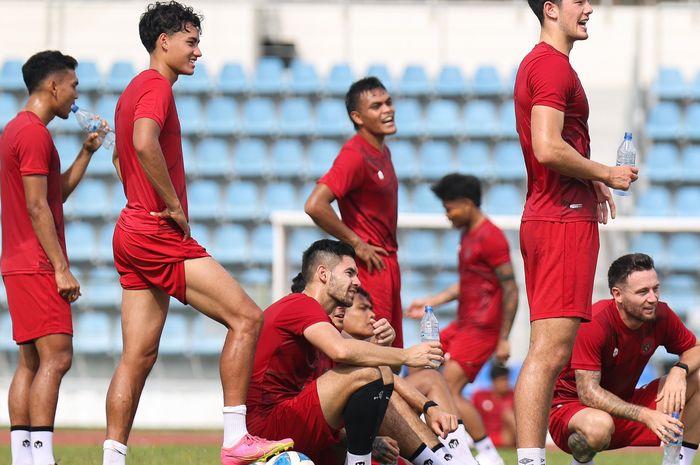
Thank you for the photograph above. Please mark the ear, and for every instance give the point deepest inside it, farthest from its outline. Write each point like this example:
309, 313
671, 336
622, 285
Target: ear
617, 294
323, 274
551, 11
356, 118
162, 42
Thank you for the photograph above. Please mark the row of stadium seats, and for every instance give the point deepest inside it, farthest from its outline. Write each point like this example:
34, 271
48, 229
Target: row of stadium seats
665, 163
670, 121
670, 84
659, 200
271, 77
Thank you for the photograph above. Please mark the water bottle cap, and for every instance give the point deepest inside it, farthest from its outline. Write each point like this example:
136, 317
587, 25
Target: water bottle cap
428, 308
675, 415
628, 136
74, 108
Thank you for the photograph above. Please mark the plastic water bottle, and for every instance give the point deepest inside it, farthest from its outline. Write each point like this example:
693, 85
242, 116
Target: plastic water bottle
90, 122
672, 450
626, 155
429, 328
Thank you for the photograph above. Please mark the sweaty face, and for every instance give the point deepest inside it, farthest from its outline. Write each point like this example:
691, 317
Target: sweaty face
573, 18
65, 92
458, 211
183, 50
375, 111
638, 297
343, 282
359, 318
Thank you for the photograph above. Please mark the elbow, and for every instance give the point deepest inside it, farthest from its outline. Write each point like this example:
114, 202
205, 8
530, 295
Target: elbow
545, 152
340, 354
311, 208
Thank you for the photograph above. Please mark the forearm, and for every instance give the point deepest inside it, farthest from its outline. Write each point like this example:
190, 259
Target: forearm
564, 159
155, 168
447, 295
509, 308
691, 357
361, 353
326, 218
72, 176
594, 396
45, 230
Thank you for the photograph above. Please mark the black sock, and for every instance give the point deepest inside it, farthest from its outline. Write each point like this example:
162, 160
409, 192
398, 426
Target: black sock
418, 451
363, 414
690, 445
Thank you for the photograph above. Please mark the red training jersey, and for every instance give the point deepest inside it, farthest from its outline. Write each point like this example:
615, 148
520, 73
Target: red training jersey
607, 345
480, 294
148, 95
491, 408
26, 149
363, 180
545, 77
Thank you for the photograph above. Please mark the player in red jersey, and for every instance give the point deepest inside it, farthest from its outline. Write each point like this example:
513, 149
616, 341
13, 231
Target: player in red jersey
40, 286
363, 181
154, 253
595, 405
487, 296
495, 406
356, 391
567, 193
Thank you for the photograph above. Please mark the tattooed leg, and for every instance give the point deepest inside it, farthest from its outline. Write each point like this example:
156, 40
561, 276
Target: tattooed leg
580, 448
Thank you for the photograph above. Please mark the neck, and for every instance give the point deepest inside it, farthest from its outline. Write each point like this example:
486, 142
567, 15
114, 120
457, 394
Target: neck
476, 220
316, 292
376, 141
557, 40
166, 71
38, 105
631, 323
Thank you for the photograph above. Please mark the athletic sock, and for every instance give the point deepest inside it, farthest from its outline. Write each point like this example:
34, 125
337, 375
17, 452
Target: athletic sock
458, 444
363, 459
688, 451
42, 445
363, 414
485, 447
114, 453
531, 456
21, 445
234, 424
424, 456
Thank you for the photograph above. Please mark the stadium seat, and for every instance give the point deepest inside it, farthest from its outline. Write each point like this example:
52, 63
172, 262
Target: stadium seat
414, 82
197, 83
664, 122
304, 79
694, 87
204, 199
118, 200
684, 252
473, 158
175, 338
90, 199
679, 291
506, 118
257, 283
669, 84
230, 244
201, 234
106, 106
404, 199
435, 160
261, 245
692, 122
504, 199
102, 289
250, 158
449, 248
213, 159
305, 191
688, 201
89, 78
339, 79
320, 155
188, 157
241, 201
208, 336
690, 164
8, 109
508, 162
259, 117
654, 201
6, 342
408, 118
67, 147
269, 76
11, 76
119, 76
221, 117
662, 163
487, 82
103, 249
442, 119
332, 119
451, 82
80, 241
480, 119
425, 201
299, 240
287, 158
189, 110
93, 333
232, 79
403, 157
653, 245
295, 117
279, 196
382, 73
413, 285
419, 248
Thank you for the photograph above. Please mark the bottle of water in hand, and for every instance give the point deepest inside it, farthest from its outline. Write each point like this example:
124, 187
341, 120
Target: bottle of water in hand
90, 122
429, 328
672, 450
626, 155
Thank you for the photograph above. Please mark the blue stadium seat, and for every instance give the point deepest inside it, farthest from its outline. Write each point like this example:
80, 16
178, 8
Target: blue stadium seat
679, 291
221, 117
690, 163
259, 117
473, 158
257, 283
442, 119
408, 118
305, 191
445, 279
175, 339
413, 285
403, 157
67, 147
692, 122
230, 244
250, 158
106, 106
299, 240
694, 87
381, 72
669, 84
508, 162
93, 333
287, 158
320, 155
654, 201
89, 78
449, 248
688, 201
295, 117
89, 200
241, 201
662, 163
415, 81
304, 79
419, 248
213, 159
404, 199
189, 110
507, 120
664, 122
6, 342
435, 160
103, 249
653, 245
684, 252
279, 196
480, 119
269, 76
204, 199
208, 336
332, 119
510, 85
80, 241
451, 82
339, 79
119, 76
232, 79
487, 82
102, 289
425, 201
197, 83
118, 200
8, 109
261, 245
188, 156
201, 234
504, 199
11, 76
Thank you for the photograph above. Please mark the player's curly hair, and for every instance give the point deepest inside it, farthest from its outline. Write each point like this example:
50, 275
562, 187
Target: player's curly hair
322, 251
166, 18
40, 65
538, 7
624, 266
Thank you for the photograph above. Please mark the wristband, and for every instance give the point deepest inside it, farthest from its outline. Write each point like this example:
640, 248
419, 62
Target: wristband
682, 365
427, 405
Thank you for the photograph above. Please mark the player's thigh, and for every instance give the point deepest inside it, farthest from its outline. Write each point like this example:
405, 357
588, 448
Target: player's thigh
143, 316
455, 376
553, 336
214, 292
425, 379
337, 385
55, 347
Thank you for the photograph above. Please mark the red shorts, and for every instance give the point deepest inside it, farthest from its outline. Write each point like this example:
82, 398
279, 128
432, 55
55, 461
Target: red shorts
36, 307
299, 418
154, 260
560, 261
627, 432
470, 347
384, 288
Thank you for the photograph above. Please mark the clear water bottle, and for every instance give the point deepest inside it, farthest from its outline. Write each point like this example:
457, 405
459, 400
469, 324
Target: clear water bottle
90, 122
429, 328
626, 155
672, 450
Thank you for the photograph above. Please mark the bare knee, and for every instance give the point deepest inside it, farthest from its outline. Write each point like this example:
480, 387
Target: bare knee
140, 362
58, 362
366, 375
596, 428
248, 321
387, 375
549, 358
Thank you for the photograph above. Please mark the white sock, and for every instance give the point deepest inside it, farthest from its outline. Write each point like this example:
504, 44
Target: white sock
460, 427
687, 455
21, 446
535, 454
234, 425
485, 447
458, 444
576, 462
352, 459
425, 455
42, 447
114, 453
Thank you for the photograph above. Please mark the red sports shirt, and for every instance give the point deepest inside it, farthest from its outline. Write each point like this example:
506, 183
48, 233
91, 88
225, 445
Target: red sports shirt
363, 180
545, 77
148, 95
607, 345
26, 149
491, 408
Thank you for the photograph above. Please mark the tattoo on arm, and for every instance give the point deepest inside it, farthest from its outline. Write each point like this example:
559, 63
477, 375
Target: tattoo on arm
510, 297
594, 396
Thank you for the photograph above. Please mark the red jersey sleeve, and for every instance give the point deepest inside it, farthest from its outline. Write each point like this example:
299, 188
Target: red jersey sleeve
496, 250
34, 147
678, 338
346, 174
588, 347
154, 100
552, 83
306, 312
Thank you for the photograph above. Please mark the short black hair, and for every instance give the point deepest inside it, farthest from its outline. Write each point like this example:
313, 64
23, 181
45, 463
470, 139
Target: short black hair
456, 186
40, 65
323, 250
624, 266
166, 18
358, 88
498, 369
537, 7
364, 293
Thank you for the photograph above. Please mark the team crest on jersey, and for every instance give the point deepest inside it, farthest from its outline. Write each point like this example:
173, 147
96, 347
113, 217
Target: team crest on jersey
647, 344
615, 352
380, 175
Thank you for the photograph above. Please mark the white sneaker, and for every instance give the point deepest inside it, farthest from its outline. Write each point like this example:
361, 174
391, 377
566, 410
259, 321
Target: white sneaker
489, 459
